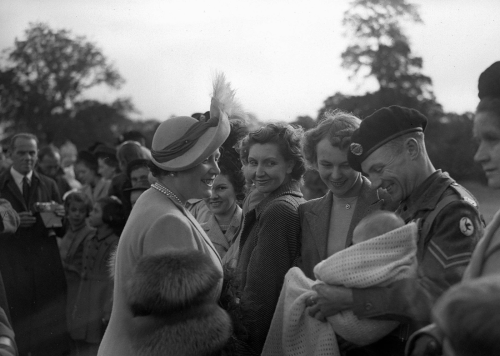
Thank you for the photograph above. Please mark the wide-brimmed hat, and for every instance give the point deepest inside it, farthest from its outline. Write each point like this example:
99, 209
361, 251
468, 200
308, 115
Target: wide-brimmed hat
183, 142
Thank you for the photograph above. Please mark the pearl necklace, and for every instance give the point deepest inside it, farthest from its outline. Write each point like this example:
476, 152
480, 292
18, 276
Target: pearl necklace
166, 191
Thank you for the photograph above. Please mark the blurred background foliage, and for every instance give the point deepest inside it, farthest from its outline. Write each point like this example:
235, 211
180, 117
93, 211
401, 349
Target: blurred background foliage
44, 76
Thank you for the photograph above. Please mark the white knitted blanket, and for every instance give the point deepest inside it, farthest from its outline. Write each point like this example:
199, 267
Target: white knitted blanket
376, 262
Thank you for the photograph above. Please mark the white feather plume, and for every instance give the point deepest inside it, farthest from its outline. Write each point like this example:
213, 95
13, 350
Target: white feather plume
223, 98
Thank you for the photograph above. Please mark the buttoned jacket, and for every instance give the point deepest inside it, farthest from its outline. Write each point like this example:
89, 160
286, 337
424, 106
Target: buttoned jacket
269, 247
157, 224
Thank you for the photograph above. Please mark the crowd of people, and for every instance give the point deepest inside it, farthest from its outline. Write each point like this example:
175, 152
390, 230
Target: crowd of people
204, 244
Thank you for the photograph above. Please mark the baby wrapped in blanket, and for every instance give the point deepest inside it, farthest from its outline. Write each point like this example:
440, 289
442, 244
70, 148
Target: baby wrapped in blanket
370, 262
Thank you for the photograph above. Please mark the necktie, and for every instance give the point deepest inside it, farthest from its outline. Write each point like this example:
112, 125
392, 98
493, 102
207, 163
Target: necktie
26, 190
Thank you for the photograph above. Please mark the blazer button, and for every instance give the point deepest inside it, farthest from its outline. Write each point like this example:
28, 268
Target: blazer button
368, 306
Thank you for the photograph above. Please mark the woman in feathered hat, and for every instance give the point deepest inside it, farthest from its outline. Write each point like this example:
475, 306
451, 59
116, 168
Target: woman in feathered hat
184, 161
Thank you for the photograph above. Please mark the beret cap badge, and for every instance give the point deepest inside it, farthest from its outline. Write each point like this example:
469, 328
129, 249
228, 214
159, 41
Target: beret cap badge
356, 149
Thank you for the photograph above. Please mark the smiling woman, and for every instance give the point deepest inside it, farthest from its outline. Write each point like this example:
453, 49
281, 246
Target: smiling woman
327, 223
227, 190
184, 161
269, 241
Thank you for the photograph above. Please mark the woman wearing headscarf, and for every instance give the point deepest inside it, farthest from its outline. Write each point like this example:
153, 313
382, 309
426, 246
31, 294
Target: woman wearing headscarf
269, 241
485, 260
184, 161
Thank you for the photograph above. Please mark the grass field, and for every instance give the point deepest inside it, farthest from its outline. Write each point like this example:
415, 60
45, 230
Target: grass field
489, 199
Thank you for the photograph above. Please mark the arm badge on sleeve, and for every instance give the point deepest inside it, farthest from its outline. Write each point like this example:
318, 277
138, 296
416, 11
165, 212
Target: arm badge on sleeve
466, 226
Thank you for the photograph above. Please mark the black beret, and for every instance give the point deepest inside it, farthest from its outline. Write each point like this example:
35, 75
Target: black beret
489, 82
381, 127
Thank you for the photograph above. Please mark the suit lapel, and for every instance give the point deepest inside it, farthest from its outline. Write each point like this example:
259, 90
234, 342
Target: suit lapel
319, 223
216, 235
12, 186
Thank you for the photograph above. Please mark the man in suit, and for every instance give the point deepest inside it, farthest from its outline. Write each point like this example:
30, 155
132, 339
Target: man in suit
29, 259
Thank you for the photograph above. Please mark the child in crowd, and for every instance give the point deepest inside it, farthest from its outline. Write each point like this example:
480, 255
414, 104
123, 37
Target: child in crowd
77, 206
86, 170
93, 307
384, 251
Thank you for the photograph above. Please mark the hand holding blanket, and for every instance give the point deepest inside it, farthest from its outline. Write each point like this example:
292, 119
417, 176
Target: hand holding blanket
376, 262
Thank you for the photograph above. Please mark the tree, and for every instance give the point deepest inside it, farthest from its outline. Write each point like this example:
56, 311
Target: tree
45, 74
381, 49
93, 121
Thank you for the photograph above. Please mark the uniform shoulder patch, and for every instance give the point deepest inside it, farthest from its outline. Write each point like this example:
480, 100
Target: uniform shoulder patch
466, 226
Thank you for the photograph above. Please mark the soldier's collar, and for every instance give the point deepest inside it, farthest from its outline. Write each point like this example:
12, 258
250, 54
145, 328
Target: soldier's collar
427, 194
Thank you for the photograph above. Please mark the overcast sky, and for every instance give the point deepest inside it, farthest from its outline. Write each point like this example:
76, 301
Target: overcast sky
282, 56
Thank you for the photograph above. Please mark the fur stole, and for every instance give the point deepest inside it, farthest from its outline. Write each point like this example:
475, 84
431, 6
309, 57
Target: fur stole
173, 299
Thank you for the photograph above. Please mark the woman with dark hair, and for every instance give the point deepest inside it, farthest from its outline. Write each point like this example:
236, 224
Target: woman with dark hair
270, 237
86, 171
107, 161
184, 161
227, 194
223, 218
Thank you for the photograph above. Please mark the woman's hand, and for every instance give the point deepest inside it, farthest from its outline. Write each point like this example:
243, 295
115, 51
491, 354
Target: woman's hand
329, 301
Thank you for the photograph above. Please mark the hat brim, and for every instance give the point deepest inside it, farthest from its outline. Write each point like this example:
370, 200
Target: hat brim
211, 140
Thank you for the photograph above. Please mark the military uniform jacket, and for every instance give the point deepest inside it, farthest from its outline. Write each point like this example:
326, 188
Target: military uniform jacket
442, 257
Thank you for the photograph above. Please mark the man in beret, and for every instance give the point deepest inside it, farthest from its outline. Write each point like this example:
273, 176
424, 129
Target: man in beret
389, 148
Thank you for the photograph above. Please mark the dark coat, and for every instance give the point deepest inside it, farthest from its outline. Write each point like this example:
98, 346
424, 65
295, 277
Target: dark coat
269, 247
33, 275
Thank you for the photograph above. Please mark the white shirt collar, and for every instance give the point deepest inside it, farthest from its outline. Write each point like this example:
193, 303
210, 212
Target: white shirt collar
18, 177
